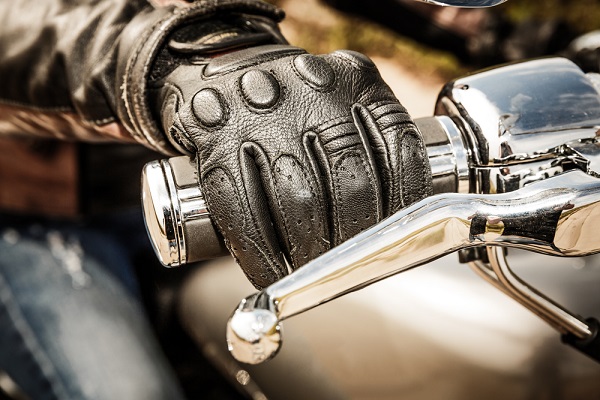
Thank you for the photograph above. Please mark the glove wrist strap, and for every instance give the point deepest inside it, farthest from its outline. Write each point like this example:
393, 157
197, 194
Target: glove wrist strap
150, 33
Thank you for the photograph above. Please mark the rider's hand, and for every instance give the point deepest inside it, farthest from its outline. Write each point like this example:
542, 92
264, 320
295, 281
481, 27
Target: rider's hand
296, 152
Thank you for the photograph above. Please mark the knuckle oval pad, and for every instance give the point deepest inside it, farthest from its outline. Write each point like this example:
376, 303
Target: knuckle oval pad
209, 107
260, 89
315, 71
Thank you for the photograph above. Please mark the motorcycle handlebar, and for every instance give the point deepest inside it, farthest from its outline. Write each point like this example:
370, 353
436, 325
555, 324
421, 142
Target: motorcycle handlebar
178, 220
494, 132
519, 144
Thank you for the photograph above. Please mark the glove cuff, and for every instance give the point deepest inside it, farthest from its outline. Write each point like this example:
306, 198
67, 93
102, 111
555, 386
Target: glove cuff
141, 43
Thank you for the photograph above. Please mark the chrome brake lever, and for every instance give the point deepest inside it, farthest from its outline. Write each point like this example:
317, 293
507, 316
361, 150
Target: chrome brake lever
556, 216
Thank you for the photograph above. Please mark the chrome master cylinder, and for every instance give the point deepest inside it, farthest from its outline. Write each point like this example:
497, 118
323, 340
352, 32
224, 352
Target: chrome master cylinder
519, 124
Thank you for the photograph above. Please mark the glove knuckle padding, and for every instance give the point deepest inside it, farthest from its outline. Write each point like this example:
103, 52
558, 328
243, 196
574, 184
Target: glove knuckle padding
296, 152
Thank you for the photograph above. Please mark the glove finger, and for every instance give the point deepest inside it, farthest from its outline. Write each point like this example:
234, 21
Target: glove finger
345, 159
399, 153
302, 211
245, 224
296, 203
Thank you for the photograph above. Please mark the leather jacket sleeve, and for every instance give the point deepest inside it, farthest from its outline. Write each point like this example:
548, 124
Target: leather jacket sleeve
78, 69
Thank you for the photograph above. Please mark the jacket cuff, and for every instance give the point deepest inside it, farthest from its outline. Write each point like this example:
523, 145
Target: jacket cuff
140, 43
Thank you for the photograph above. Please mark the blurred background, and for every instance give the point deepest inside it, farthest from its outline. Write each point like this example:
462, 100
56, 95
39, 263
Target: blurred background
419, 46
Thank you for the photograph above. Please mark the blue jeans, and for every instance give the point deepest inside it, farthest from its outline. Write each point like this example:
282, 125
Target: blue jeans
71, 323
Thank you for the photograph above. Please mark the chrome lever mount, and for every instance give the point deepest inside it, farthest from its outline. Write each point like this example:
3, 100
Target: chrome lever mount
525, 123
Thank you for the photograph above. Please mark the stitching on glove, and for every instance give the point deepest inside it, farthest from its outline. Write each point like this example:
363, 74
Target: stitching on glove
338, 186
319, 166
332, 123
396, 132
293, 242
319, 211
275, 268
423, 157
395, 108
263, 60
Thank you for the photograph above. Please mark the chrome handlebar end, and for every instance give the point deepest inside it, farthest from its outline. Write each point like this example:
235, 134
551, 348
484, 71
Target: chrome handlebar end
253, 334
176, 215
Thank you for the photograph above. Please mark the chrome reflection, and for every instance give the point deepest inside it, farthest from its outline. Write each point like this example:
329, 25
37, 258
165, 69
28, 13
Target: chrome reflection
466, 3
500, 275
524, 110
176, 214
449, 158
525, 122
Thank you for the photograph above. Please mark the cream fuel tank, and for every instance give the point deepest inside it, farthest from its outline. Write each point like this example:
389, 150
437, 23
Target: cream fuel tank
437, 332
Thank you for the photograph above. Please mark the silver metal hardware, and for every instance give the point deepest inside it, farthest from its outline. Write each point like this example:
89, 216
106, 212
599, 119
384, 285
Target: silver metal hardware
530, 121
449, 155
529, 137
498, 273
466, 3
522, 121
176, 216
556, 216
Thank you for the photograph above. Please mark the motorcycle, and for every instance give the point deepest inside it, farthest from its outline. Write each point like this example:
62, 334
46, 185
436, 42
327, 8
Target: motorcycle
514, 158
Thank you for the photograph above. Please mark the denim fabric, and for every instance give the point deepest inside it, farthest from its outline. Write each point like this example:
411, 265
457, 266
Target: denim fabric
72, 326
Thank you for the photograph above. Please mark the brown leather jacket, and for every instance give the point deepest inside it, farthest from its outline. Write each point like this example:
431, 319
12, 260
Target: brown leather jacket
77, 71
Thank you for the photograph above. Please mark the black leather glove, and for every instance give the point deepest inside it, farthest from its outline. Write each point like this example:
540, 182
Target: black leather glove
296, 152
